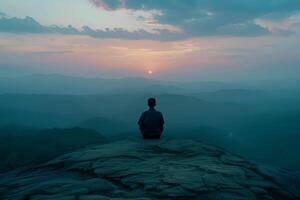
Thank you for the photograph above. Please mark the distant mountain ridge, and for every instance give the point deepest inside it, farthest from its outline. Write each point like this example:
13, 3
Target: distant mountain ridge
60, 84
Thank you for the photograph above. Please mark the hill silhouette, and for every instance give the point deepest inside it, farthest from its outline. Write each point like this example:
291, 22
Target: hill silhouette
24, 146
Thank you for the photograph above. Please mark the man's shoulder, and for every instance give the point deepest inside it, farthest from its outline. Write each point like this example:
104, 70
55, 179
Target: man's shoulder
145, 112
151, 112
158, 112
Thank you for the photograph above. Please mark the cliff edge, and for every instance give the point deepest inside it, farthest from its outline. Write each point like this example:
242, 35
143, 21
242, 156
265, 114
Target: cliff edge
174, 169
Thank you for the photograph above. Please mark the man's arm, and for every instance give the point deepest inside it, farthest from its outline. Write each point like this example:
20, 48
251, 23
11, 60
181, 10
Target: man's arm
162, 122
141, 122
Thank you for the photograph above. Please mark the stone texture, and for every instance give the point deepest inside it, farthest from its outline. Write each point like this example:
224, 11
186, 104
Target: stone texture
144, 170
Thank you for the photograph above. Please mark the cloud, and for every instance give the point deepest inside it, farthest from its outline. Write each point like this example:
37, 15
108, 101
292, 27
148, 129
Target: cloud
53, 52
283, 26
30, 25
161, 34
27, 24
187, 19
2, 14
210, 17
113, 4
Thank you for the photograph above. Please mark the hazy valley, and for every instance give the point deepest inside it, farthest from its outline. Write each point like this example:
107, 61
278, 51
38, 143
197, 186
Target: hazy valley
262, 125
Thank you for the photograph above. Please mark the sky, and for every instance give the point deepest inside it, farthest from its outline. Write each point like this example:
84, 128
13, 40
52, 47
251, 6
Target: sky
161, 39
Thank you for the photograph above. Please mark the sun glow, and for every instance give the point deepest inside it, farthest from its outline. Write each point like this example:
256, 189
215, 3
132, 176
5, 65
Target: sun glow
150, 72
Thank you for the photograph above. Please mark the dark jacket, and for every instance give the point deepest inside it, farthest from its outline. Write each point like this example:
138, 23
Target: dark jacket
151, 124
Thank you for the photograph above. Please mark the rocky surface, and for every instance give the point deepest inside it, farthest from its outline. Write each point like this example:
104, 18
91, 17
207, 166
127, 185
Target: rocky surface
176, 169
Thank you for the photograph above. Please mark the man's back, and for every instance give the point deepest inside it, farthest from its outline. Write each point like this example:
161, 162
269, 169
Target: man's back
151, 124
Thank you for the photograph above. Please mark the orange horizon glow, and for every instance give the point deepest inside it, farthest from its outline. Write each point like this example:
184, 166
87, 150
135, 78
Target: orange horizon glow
132, 56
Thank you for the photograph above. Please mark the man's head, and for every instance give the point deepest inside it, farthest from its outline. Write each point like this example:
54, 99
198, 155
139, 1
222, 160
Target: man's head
151, 102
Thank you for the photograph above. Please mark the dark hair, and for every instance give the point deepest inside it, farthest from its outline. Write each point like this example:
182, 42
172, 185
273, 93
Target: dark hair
151, 102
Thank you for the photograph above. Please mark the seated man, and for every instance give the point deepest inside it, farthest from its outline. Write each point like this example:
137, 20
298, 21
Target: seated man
151, 122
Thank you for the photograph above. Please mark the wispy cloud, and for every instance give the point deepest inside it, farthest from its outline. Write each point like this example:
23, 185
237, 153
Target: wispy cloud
30, 25
53, 52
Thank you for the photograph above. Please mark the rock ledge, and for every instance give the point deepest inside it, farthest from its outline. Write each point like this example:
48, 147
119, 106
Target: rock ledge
175, 169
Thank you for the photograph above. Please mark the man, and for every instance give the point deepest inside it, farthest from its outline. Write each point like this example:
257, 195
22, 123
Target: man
151, 122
